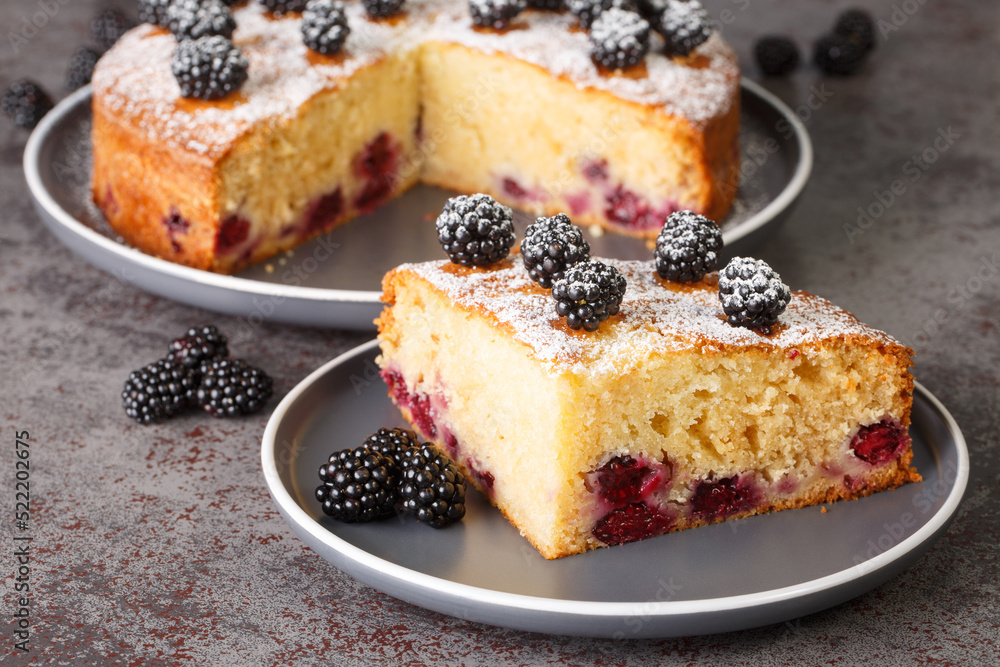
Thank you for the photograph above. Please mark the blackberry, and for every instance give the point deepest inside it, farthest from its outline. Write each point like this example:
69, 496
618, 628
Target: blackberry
619, 39
547, 5
838, 55
857, 25
81, 67
475, 230
280, 7
495, 14
651, 9
550, 246
392, 443
25, 103
684, 25
155, 12
108, 26
776, 56
380, 9
232, 387
191, 19
686, 247
324, 26
358, 485
208, 68
589, 293
432, 487
752, 294
587, 11
197, 348
158, 391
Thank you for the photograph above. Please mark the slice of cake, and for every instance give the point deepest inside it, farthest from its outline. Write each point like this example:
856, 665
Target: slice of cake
666, 417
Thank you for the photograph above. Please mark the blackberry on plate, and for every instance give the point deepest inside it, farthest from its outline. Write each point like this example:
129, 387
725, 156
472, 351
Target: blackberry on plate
475, 230
199, 347
858, 26
280, 7
25, 103
432, 487
155, 12
324, 26
496, 14
752, 294
380, 9
191, 19
81, 67
158, 391
684, 25
776, 55
108, 26
838, 55
588, 294
358, 485
550, 246
587, 11
547, 5
619, 39
208, 68
687, 247
232, 387
392, 443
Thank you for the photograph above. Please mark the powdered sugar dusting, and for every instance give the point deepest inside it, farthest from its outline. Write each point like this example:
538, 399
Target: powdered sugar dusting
652, 317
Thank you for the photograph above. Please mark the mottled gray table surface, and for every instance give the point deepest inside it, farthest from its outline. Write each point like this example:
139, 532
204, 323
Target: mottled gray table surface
160, 545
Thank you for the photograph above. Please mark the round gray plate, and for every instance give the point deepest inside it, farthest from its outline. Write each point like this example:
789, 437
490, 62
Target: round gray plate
335, 281
729, 576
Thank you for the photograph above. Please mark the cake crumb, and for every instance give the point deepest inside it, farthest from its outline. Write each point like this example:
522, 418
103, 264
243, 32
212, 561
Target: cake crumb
822, 508
269, 268
596, 231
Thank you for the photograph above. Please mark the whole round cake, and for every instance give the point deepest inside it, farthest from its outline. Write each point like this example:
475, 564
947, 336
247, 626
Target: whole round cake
314, 121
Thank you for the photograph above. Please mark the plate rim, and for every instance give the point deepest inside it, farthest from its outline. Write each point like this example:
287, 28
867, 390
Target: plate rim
298, 519
248, 287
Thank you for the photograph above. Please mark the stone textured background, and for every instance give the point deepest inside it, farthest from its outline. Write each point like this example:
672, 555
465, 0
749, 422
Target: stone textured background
161, 545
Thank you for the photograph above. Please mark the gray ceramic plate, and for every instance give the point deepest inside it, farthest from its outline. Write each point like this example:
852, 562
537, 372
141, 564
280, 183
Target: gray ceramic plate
730, 576
335, 281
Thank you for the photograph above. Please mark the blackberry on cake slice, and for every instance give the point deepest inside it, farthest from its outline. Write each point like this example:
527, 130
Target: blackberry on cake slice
619, 39
282, 7
155, 12
191, 19
752, 293
432, 487
324, 26
358, 485
209, 68
157, 392
687, 247
496, 14
776, 55
589, 293
684, 25
547, 5
382, 9
550, 246
25, 103
587, 11
232, 388
475, 230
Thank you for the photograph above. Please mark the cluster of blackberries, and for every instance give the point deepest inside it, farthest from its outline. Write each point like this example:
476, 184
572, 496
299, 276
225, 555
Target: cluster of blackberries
841, 52
392, 471
196, 373
620, 29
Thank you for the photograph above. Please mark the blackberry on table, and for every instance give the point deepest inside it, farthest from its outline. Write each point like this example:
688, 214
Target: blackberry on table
495, 14
158, 391
858, 26
432, 487
619, 39
587, 11
550, 246
392, 443
684, 25
155, 12
209, 68
81, 67
358, 485
280, 7
776, 55
752, 294
191, 19
232, 387
108, 26
588, 294
687, 247
26, 103
199, 347
324, 26
838, 55
380, 9
475, 230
